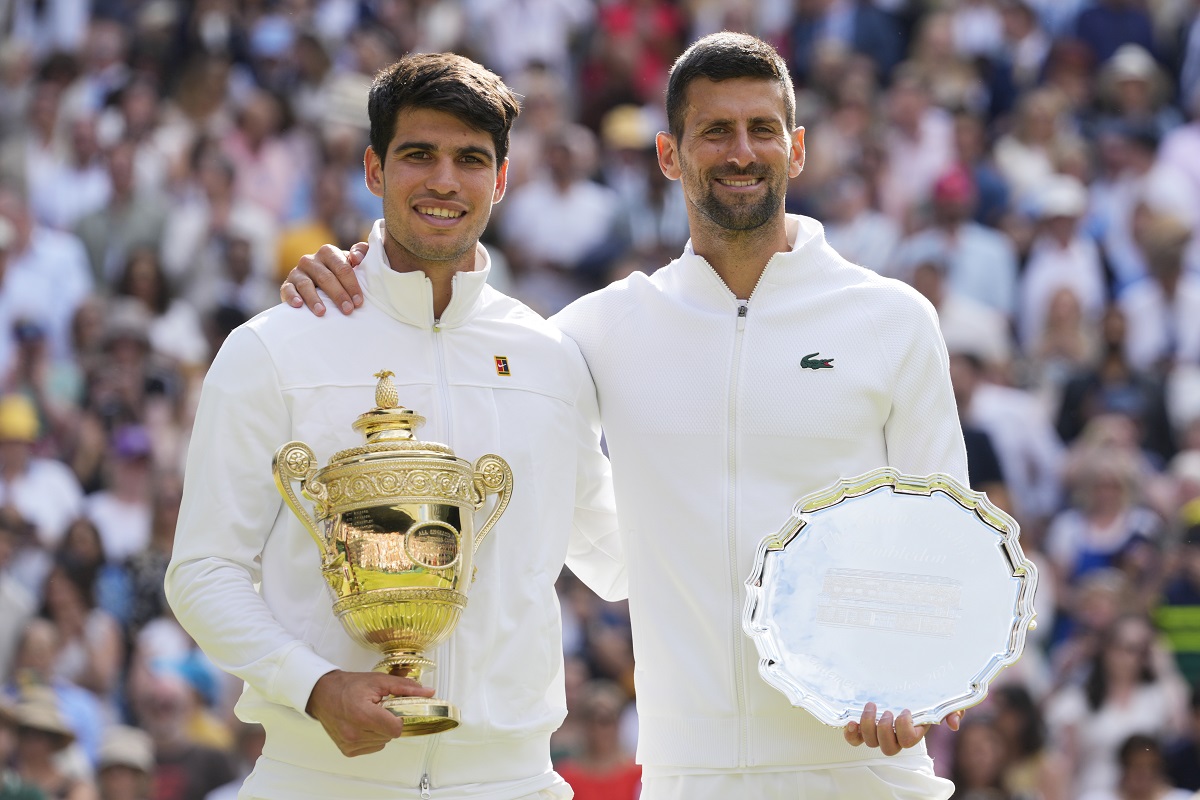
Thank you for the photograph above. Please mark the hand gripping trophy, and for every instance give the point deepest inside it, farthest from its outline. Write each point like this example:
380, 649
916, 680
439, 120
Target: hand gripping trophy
394, 520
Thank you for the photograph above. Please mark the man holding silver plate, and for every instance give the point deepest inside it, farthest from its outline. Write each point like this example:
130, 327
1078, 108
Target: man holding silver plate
392, 517
758, 368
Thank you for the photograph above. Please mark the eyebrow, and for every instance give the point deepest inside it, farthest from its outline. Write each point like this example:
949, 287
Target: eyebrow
469, 150
728, 121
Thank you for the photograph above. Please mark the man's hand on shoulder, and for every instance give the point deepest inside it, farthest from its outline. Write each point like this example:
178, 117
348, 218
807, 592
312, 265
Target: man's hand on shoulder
331, 270
891, 735
347, 704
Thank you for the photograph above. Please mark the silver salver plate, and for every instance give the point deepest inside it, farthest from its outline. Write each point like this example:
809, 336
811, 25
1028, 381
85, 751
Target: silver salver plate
908, 592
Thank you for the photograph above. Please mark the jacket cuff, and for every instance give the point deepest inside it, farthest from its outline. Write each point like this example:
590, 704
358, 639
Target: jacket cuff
298, 673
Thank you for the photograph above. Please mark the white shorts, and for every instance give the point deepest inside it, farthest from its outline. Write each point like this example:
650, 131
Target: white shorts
875, 782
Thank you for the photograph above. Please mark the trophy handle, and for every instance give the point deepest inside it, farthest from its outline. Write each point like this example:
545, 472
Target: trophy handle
492, 476
296, 461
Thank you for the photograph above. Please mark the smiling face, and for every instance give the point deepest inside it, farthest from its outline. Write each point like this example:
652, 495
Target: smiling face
735, 153
438, 180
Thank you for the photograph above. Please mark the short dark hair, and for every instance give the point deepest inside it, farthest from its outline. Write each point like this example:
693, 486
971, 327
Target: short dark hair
719, 57
442, 82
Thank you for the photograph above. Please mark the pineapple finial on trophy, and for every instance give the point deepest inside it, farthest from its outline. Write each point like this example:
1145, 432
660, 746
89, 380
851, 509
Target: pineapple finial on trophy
386, 395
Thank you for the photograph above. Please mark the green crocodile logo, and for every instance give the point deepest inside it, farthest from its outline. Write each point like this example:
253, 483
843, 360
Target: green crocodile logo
811, 361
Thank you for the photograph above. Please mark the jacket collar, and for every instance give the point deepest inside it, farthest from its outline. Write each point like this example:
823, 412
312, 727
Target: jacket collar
700, 282
408, 296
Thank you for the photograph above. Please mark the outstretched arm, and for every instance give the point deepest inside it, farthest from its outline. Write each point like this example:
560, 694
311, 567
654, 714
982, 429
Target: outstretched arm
331, 270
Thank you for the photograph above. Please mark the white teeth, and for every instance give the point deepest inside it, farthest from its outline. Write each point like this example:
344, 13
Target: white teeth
739, 183
444, 213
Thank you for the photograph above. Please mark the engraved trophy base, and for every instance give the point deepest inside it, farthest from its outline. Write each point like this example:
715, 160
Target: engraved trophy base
423, 715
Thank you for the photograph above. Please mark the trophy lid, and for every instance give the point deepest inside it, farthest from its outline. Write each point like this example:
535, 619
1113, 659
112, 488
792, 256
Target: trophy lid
390, 426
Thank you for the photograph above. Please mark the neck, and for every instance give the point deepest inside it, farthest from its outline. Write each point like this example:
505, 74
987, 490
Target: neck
440, 273
738, 257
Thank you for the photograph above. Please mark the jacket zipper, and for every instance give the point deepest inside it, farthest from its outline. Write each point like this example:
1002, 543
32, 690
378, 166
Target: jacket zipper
739, 679
447, 433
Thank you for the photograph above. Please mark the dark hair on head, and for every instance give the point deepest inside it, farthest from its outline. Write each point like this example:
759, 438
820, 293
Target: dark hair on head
1095, 688
442, 82
1016, 699
1139, 743
719, 57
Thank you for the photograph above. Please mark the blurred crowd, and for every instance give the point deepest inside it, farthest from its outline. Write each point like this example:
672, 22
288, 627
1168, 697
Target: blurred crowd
1030, 166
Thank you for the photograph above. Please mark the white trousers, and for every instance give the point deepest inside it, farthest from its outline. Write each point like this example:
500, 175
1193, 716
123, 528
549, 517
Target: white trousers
875, 782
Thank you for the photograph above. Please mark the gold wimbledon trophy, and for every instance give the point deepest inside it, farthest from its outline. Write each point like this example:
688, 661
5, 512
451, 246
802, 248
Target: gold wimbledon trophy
394, 520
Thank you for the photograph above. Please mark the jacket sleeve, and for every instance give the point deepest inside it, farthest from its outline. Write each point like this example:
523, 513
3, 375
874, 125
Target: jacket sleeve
923, 434
595, 552
229, 507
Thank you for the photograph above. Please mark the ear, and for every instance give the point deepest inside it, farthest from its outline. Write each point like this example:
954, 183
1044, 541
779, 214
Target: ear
373, 168
796, 162
501, 182
668, 155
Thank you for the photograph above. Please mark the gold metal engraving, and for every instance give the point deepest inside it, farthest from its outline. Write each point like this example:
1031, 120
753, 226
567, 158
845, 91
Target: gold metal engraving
394, 519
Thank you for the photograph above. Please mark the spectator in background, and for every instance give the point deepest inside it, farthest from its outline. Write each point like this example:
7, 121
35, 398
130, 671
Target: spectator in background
979, 758
47, 275
603, 770
126, 764
132, 219
651, 208
1106, 525
1031, 768
917, 146
91, 647
42, 490
42, 734
971, 151
967, 325
332, 220
11, 785
1163, 326
560, 230
1143, 773
1133, 91
202, 231
267, 169
121, 513
1126, 692
983, 264
16, 600
861, 234
1025, 156
174, 329
1066, 347
184, 770
76, 185
1061, 257
1113, 385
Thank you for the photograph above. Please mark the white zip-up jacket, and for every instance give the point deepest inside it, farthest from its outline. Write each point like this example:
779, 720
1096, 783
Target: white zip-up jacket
289, 375
715, 427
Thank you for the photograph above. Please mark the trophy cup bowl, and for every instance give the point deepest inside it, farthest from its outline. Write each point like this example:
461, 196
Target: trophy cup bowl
394, 520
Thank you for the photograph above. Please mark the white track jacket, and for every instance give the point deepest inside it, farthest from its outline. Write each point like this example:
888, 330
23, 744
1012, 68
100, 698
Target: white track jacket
490, 377
715, 427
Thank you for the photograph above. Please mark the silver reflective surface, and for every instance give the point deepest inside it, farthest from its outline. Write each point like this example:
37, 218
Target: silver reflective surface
908, 592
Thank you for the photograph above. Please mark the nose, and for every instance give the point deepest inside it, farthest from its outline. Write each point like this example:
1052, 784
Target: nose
443, 177
740, 152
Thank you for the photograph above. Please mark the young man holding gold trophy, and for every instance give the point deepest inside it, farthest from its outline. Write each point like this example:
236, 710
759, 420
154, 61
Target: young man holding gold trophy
393, 517
758, 367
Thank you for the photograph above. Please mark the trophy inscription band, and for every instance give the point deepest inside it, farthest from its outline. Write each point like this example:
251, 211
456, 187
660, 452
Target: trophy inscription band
907, 592
394, 520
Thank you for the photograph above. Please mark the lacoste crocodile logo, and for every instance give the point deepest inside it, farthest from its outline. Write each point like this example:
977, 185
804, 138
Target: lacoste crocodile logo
811, 361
